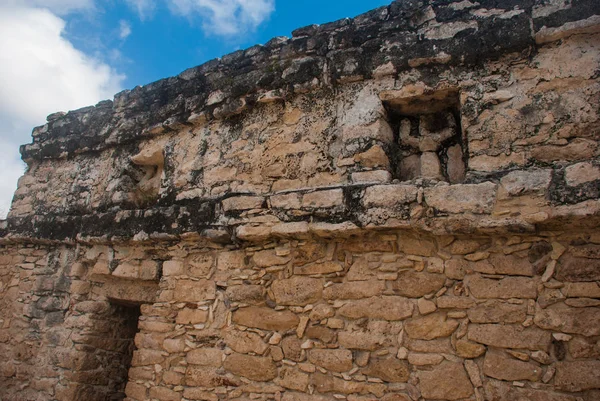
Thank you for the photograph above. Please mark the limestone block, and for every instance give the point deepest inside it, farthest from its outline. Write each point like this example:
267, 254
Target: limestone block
506, 288
249, 294
212, 357
581, 173
323, 199
468, 349
286, 201
380, 130
571, 268
265, 318
374, 157
499, 365
494, 311
523, 182
245, 342
389, 195
447, 381
413, 284
297, 291
336, 360
364, 340
293, 379
318, 268
510, 336
164, 393
374, 176
194, 291
559, 317
252, 367
577, 375
354, 290
389, 369
386, 308
462, 198
430, 327
329, 384
191, 316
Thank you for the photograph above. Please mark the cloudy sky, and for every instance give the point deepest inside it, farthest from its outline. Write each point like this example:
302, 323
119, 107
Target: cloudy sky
60, 55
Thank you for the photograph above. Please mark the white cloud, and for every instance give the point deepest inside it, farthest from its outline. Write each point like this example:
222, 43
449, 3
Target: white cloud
144, 8
59, 7
40, 73
124, 29
225, 17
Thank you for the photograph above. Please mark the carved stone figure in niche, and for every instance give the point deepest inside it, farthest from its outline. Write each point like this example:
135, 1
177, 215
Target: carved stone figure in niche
431, 148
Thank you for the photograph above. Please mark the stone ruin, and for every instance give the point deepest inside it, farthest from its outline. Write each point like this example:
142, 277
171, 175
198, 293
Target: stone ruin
402, 206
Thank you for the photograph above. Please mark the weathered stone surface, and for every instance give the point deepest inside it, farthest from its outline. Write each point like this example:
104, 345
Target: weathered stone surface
502, 391
297, 290
559, 317
191, 316
415, 284
354, 290
418, 359
202, 376
293, 379
581, 173
521, 182
336, 360
292, 347
505, 288
265, 318
244, 342
497, 312
587, 290
468, 349
318, 268
364, 340
291, 396
389, 370
510, 336
389, 195
572, 268
194, 291
328, 384
447, 381
584, 348
431, 326
511, 265
386, 308
249, 294
237, 203
462, 198
326, 199
499, 365
252, 367
205, 357
577, 375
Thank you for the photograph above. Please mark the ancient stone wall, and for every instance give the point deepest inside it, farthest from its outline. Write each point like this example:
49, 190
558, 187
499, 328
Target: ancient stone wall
401, 206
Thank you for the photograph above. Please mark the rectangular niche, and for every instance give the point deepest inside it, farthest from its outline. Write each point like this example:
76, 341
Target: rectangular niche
428, 136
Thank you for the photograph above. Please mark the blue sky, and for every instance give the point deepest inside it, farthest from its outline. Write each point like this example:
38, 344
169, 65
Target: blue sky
60, 55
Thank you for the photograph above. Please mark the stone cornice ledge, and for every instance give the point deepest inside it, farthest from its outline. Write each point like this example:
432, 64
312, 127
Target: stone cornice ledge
480, 209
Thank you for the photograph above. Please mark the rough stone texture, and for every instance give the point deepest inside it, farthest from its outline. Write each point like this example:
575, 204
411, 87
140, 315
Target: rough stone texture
336, 360
448, 381
501, 366
394, 207
510, 336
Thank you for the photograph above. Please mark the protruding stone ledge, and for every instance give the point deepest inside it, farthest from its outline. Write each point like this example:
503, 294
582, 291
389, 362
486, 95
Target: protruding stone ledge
442, 209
